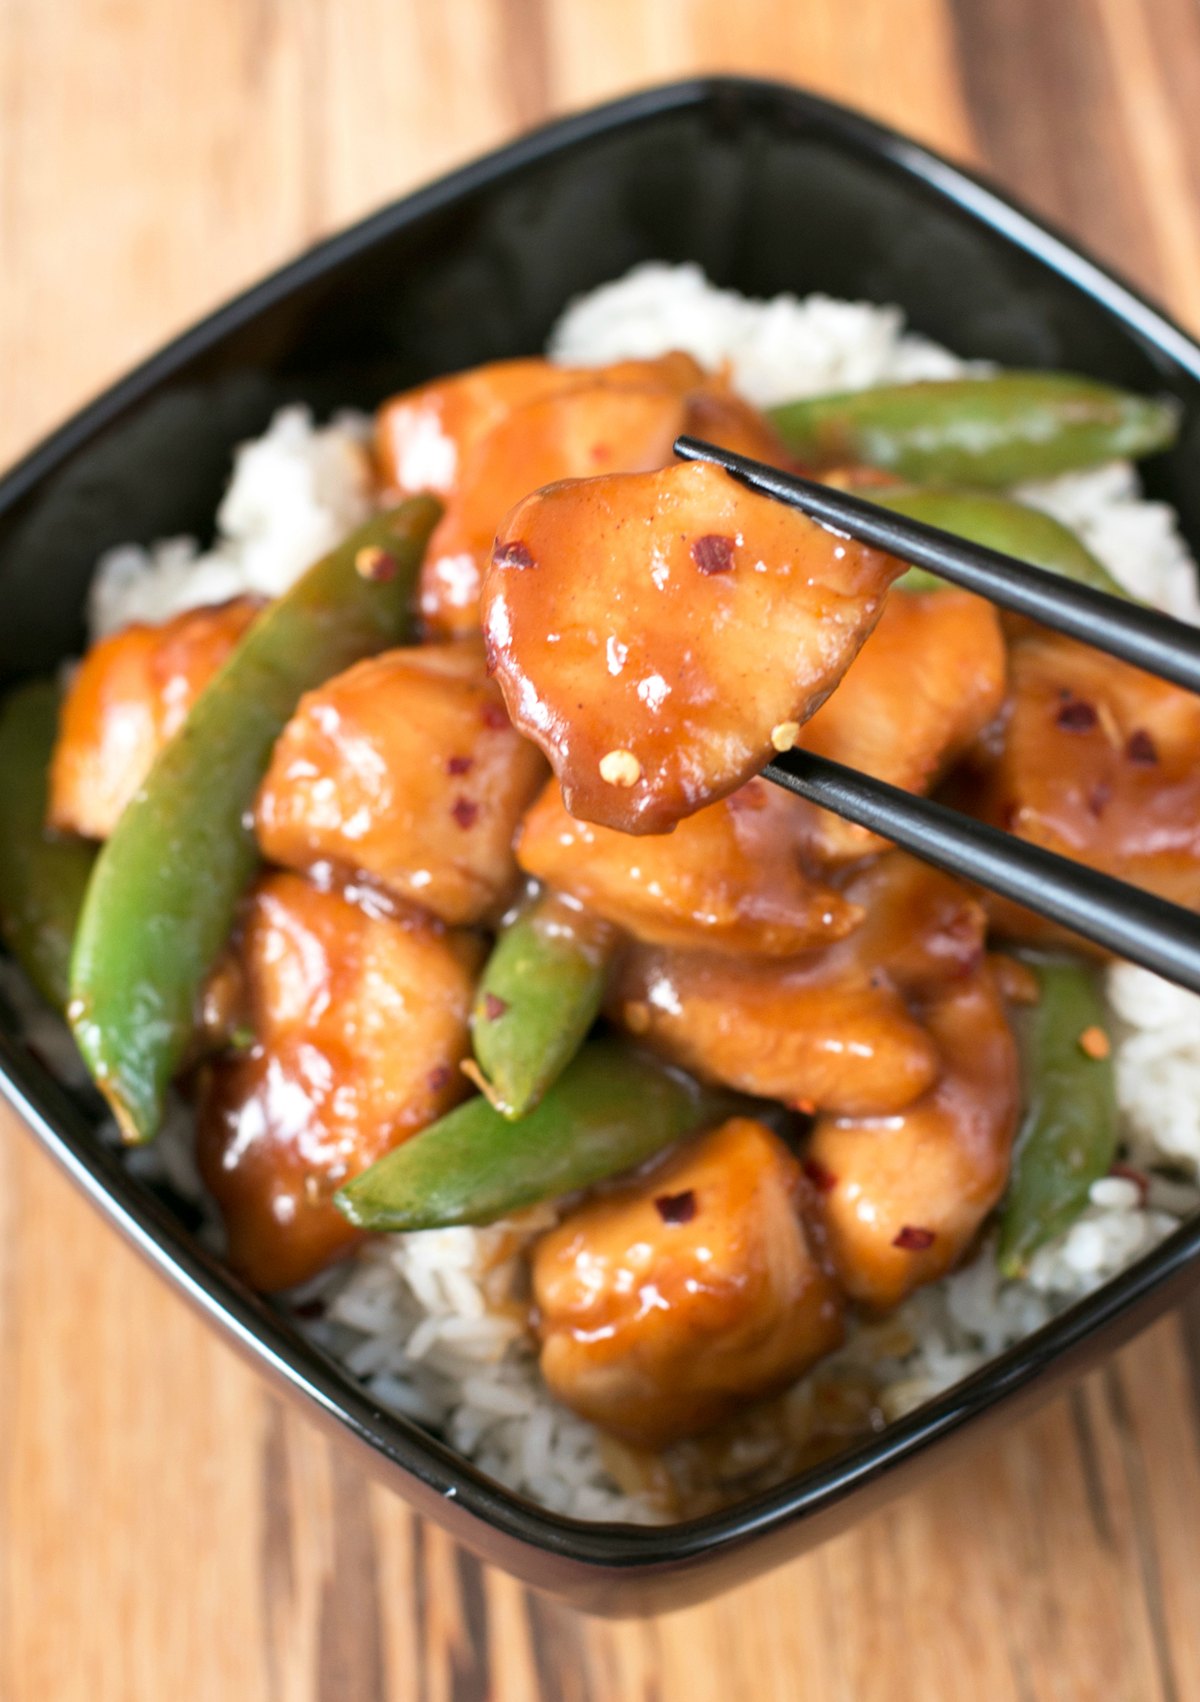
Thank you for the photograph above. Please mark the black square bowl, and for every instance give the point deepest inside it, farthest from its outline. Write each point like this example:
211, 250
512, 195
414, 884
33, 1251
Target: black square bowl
769, 190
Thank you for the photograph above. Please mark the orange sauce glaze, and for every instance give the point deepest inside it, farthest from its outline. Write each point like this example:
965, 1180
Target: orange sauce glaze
356, 1025
129, 695
484, 439
672, 1299
405, 770
658, 633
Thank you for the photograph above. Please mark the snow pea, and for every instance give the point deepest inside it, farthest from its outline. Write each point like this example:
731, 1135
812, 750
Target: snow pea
539, 993
1068, 1138
1001, 524
993, 431
43, 874
611, 1109
166, 885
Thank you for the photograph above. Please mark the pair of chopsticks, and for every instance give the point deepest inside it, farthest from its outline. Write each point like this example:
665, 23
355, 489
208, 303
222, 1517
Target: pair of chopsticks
1123, 919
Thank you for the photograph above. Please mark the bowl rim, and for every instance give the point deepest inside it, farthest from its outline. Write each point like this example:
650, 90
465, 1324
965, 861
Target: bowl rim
255, 1324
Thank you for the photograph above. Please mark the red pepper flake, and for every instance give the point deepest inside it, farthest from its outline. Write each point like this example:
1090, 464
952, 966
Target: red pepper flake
822, 1179
1076, 716
464, 812
495, 716
1098, 798
514, 554
713, 553
1138, 1177
438, 1078
1142, 748
1094, 1043
459, 764
676, 1208
494, 1006
375, 564
806, 1107
912, 1240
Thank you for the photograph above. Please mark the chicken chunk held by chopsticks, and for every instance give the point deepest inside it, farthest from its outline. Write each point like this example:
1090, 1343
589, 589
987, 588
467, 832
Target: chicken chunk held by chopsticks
659, 635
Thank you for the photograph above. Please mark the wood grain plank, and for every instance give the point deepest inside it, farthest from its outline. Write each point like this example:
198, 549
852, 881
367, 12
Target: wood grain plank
896, 58
130, 1441
1158, 48
1042, 87
170, 209
411, 91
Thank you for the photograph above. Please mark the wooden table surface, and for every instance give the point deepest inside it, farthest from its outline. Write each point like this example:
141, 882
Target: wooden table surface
167, 1529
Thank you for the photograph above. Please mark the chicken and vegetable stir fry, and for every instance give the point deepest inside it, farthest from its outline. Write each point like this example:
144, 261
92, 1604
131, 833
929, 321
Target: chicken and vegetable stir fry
443, 886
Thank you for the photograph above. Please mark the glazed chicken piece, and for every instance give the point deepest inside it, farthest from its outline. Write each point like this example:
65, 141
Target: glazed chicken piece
130, 694
1097, 761
486, 438
903, 1193
730, 878
833, 1030
423, 436
806, 1033
406, 770
903, 1196
660, 634
358, 1026
924, 686
719, 415
669, 1302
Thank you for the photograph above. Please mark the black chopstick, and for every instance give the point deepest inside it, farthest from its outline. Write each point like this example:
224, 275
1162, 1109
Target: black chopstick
1162, 646
1123, 919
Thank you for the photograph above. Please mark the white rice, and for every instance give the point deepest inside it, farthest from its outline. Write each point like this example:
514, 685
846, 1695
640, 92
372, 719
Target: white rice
1137, 541
774, 350
431, 1323
295, 493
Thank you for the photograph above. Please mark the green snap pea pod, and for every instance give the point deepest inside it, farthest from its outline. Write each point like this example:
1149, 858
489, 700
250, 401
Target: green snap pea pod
609, 1110
1001, 524
166, 885
1069, 1135
43, 875
539, 993
978, 431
